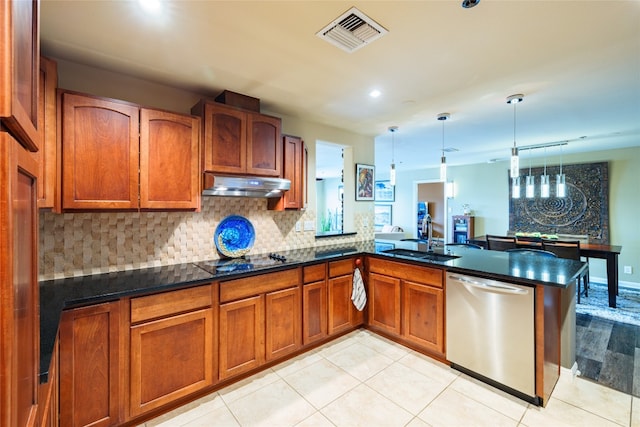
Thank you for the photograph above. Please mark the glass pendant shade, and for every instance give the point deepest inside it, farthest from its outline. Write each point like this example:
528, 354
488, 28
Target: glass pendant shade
515, 187
392, 174
443, 169
530, 185
514, 170
561, 187
544, 186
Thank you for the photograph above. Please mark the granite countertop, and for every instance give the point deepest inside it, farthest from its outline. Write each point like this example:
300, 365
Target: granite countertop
59, 294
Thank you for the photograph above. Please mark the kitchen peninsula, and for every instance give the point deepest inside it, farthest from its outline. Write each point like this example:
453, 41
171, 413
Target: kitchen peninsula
280, 310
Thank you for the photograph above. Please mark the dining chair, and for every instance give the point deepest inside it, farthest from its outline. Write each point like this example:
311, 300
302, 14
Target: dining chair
529, 241
500, 243
569, 249
532, 252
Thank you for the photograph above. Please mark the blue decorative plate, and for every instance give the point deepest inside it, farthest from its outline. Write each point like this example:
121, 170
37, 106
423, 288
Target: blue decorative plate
234, 236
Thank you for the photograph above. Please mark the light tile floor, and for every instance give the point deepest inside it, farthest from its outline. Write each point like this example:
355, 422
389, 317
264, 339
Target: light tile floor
362, 379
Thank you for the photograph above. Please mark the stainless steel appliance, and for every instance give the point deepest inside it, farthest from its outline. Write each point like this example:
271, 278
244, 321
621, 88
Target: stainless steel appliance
244, 186
490, 332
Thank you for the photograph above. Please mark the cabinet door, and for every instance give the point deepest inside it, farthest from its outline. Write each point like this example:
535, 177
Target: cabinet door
225, 139
90, 366
340, 305
19, 58
384, 303
99, 153
169, 165
47, 120
314, 309
293, 170
282, 323
170, 358
241, 336
19, 293
264, 146
423, 320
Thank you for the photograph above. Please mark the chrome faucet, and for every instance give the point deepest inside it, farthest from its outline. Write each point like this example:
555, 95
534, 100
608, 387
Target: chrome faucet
427, 229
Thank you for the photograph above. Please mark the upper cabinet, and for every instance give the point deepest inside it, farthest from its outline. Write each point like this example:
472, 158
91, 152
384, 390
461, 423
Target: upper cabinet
239, 142
19, 58
295, 170
117, 155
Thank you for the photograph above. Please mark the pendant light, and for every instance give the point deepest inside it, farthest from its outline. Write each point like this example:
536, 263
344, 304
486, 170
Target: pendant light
392, 171
561, 188
515, 161
530, 182
443, 160
544, 179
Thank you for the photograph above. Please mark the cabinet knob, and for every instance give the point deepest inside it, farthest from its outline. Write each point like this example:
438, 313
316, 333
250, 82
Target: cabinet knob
358, 262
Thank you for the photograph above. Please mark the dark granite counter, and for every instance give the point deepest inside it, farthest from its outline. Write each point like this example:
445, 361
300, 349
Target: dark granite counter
60, 294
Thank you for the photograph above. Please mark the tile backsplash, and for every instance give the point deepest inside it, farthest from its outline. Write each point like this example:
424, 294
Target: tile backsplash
79, 244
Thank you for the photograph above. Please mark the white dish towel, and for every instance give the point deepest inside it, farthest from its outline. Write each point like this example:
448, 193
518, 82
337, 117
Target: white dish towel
358, 294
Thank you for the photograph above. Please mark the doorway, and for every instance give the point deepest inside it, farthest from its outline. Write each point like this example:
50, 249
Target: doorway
433, 194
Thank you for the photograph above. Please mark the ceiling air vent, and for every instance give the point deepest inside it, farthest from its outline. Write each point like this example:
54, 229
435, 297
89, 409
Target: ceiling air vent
352, 30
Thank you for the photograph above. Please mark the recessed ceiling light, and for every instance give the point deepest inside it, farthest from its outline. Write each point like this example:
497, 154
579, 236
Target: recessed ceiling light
375, 93
151, 6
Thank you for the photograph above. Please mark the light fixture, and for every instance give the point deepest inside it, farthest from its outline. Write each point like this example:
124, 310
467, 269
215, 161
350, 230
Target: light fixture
515, 187
544, 179
529, 182
449, 190
443, 160
561, 187
392, 171
515, 162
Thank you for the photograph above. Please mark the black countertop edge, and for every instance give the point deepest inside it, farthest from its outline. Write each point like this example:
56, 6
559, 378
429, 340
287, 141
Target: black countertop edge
59, 294
346, 234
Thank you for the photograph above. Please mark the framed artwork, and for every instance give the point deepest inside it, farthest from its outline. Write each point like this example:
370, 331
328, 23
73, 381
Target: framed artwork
381, 216
385, 192
365, 175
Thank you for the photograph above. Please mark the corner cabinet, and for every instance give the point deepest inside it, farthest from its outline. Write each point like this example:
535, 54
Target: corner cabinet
407, 303
295, 170
343, 316
236, 141
117, 155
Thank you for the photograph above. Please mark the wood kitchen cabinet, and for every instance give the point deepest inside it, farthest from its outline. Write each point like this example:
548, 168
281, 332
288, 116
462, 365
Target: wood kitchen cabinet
19, 59
47, 155
239, 142
19, 290
91, 366
407, 302
343, 315
260, 320
314, 303
294, 170
48, 405
172, 339
117, 155
384, 310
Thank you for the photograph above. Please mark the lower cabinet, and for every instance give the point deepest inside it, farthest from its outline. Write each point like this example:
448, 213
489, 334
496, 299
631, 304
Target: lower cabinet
91, 377
48, 394
407, 302
260, 320
172, 346
343, 315
314, 303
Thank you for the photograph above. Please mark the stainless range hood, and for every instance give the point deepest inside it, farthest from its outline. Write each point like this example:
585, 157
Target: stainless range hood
244, 186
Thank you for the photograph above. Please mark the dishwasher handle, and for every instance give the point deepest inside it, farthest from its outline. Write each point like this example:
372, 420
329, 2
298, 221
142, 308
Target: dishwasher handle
491, 286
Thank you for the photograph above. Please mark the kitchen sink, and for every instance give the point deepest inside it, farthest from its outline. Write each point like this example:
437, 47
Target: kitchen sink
427, 256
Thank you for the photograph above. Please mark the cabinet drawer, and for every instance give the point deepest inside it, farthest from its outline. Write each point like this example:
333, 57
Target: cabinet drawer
256, 285
314, 273
426, 275
168, 303
340, 268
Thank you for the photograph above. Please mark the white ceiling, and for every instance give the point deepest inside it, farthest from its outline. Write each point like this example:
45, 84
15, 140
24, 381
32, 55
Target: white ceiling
576, 62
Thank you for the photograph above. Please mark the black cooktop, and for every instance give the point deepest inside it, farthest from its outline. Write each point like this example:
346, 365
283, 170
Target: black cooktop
245, 263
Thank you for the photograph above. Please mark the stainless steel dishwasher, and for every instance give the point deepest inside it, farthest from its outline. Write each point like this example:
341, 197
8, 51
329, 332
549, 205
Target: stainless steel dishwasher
490, 332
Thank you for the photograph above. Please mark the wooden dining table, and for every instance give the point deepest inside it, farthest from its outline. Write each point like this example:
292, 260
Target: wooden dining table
588, 250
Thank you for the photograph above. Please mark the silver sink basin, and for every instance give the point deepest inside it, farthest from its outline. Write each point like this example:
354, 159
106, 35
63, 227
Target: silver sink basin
427, 256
